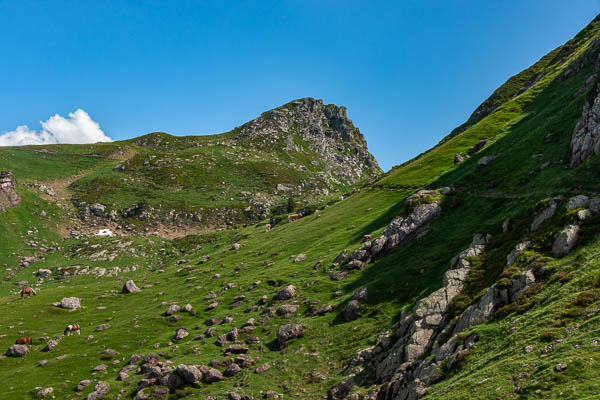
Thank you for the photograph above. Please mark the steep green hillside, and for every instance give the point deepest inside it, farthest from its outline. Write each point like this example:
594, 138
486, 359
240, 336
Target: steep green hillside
513, 316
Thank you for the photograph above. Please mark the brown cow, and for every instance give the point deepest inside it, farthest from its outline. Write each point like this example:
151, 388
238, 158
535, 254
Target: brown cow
28, 291
24, 340
294, 217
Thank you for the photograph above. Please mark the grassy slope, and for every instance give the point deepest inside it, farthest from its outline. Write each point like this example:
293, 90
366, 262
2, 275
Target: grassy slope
485, 197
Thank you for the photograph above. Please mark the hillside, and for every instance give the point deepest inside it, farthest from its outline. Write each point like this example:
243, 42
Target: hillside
470, 271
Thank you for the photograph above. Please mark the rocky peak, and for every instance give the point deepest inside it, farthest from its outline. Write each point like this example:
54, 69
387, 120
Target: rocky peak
307, 125
8, 194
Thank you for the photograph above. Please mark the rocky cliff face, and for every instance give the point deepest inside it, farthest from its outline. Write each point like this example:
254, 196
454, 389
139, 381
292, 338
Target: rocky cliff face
8, 194
309, 126
586, 136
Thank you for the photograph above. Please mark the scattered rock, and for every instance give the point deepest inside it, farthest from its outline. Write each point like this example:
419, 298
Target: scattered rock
100, 390
189, 373
486, 160
181, 333
560, 367
70, 303
212, 376
458, 159
130, 287
45, 392
17, 350
300, 257
288, 332
286, 293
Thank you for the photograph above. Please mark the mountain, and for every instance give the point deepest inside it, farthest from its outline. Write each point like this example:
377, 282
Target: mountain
471, 271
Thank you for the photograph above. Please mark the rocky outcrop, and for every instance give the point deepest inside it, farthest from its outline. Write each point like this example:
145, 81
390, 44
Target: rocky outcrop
585, 139
8, 193
327, 131
399, 232
410, 357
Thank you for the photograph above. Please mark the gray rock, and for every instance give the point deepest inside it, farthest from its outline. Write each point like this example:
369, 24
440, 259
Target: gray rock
100, 390
173, 308
565, 240
17, 350
45, 392
287, 309
83, 384
519, 248
42, 273
352, 310
577, 201
288, 332
582, 215
189, 373
585, 139
486, 160
130, 287
286, 293
544, 215
560, 367
70, 303
232, 369
52, 343
181, 333
301, 257
212, 376
97, 209
361, 294
458, 159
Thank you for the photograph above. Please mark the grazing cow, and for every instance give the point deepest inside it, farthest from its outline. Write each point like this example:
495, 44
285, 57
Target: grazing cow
294, 217
24, 340
28, 291
268, 227
72, 329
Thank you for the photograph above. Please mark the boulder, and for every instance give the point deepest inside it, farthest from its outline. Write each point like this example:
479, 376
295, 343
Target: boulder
17, 350
458, 159
577, 201
173, 308
301, 257
478, 146
565, 240
45, 392
486, 160
352, 310
42, 273
52, 343
361, 294
189, 373
70, 303
83, 384
544, 215
286, 293
232, 369
212, 376
288, 332
130, 287
181, 333
287, 309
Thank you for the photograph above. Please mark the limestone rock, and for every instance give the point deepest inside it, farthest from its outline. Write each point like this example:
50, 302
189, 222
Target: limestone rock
565, 240
70, 303
130, 287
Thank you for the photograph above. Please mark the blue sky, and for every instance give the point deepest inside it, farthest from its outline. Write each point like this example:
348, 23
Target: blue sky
408, 71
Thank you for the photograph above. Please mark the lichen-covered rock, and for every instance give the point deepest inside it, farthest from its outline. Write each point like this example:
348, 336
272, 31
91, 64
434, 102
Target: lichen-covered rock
577, 201
565, 240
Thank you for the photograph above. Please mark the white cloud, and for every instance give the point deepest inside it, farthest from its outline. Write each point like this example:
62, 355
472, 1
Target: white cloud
78, 128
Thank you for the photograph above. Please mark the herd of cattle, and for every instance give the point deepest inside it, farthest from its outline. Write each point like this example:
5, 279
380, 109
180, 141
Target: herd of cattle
69, 330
